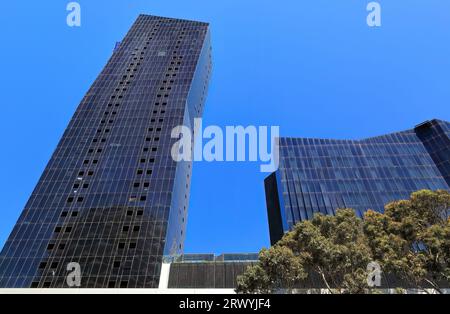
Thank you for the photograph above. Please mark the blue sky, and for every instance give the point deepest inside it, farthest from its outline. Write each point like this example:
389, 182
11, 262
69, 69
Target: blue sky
312, 67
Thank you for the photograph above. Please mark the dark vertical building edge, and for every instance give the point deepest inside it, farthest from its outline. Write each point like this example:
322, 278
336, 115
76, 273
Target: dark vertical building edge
273, 209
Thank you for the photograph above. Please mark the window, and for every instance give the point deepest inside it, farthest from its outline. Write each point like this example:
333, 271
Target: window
121, 246
58, 229
34, 284
46, 285
140, 212
74, 214
64, 214
143, 198
129, 213
125, 228
42, 265
68, 230
70, 200
136, 228
123, 284
136, 185
116, 264
111, 284
50, 246
132, 245
54, 265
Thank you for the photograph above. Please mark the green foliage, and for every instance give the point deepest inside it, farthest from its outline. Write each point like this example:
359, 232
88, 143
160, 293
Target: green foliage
254, 280
278, 269
411, 240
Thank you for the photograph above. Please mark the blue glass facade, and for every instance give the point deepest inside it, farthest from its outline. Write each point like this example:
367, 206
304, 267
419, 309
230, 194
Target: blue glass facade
111, 198
322, 175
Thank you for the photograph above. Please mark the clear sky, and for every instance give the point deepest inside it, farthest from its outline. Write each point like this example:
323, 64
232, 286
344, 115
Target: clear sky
313, 67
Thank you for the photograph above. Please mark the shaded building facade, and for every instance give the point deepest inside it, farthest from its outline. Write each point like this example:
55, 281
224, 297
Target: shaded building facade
322, 175
111, 198
207, 271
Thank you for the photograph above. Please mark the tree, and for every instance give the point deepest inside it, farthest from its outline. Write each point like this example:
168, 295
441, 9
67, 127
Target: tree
278, 269
411, 241
332, 247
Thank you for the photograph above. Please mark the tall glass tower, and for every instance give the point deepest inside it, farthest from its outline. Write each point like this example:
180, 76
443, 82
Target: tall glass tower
111, 198
322, 175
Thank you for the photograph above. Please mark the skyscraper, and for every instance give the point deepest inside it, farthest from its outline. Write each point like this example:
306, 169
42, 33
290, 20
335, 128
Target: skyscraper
111, 198
322, 175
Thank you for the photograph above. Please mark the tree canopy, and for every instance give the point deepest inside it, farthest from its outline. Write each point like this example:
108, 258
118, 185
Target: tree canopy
410, 241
